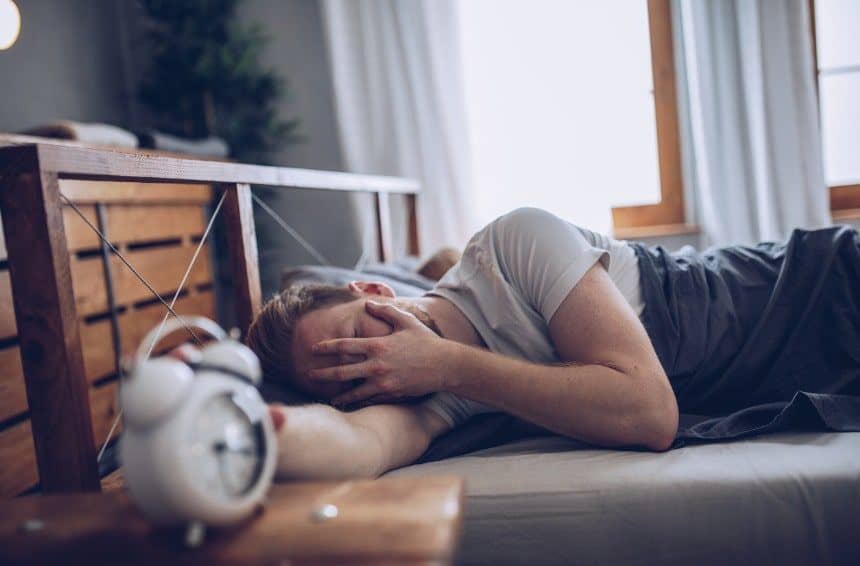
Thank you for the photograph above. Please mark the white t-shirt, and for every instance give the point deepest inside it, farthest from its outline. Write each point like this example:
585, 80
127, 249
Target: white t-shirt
513, 276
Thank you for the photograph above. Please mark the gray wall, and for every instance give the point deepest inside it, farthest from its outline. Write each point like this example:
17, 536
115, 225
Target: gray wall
297, 51
328, 220
80, 60
65, 64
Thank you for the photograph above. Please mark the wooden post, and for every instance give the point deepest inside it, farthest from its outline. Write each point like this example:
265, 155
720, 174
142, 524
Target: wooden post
413, 243
242, 245
383, 226
51, 354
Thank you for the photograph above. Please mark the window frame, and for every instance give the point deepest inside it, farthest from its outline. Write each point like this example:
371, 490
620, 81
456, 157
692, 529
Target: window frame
844, 199
667, 216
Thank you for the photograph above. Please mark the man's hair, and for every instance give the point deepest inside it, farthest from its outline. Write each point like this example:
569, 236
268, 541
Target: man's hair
272, 333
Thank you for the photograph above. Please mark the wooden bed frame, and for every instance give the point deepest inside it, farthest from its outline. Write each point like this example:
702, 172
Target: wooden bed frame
44, 302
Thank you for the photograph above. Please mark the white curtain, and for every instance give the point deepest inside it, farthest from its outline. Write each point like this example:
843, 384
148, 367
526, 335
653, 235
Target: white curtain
401, 109
749, 118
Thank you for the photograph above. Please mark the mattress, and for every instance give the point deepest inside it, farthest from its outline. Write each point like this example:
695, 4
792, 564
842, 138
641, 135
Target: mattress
787, 498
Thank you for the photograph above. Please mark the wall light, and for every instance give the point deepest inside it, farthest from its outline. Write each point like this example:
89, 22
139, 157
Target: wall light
10, 23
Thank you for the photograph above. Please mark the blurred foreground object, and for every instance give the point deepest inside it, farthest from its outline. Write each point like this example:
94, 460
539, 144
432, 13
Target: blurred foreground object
389, 520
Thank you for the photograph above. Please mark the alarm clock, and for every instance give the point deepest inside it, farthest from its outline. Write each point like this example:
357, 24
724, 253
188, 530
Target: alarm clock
198, 446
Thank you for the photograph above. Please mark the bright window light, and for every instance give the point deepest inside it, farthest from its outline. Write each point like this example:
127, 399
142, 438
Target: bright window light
560, 106
837, 29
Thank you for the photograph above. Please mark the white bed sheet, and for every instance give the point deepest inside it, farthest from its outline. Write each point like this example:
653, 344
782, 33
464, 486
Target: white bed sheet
776, 499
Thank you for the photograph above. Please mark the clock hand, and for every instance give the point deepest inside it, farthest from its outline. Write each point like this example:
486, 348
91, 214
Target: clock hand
221, 446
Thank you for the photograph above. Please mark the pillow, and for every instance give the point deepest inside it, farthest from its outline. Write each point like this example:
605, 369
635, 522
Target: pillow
404, 282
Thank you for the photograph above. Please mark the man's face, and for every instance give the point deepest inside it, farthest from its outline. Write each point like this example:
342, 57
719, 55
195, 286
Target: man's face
346, 320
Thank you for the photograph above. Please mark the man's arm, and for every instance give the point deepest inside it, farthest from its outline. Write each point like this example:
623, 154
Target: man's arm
610, 391
321, 442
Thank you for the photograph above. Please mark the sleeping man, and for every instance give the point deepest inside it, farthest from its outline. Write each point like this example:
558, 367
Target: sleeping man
596, 339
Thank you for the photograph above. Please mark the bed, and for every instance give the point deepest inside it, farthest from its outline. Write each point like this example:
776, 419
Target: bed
788, 498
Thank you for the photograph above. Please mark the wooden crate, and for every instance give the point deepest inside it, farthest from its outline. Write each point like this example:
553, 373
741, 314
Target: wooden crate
157, 227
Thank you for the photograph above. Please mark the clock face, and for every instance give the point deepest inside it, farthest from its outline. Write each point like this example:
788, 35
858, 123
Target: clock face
227, 446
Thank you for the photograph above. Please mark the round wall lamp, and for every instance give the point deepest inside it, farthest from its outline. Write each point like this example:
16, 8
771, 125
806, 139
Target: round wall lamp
10, 23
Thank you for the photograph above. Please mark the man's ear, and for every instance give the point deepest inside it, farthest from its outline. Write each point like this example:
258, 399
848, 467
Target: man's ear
372, 288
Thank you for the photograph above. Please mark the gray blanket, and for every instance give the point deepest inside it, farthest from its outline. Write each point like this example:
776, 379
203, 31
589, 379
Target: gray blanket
754, 339
760, 338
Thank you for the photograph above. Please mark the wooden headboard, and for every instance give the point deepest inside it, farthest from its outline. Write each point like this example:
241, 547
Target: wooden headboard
57, 358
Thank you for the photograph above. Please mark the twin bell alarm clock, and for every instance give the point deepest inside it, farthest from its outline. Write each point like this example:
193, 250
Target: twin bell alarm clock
198, 446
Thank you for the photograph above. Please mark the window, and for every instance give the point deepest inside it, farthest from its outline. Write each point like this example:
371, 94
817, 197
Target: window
565, 116
835, 29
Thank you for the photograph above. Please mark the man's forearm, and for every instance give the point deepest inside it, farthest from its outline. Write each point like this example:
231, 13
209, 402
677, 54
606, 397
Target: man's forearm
321, 442
594, 403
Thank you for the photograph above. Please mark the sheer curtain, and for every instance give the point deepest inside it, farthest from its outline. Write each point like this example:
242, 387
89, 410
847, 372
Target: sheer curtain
749, 118
400, 106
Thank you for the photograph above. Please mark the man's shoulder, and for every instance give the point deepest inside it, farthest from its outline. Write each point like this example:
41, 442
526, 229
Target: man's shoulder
524, 218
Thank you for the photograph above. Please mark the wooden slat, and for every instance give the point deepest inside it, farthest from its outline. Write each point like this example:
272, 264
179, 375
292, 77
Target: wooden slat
413, 243
13, 393
670, 210
124, 192
108, 165
845, 197
105, 406
2, 240
143, 223
133, 326
79, 236
7, 310
383, 227
51, 353
163, 267
242, 246
133, 223
97, 342
18, 456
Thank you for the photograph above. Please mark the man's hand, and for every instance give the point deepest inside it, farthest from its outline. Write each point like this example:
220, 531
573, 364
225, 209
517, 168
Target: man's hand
409, 362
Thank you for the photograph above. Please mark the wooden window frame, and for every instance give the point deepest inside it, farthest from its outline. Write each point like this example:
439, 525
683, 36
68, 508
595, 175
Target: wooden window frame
667, 216
844, 199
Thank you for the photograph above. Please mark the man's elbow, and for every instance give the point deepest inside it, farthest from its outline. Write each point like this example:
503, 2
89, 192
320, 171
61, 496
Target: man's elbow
662, 421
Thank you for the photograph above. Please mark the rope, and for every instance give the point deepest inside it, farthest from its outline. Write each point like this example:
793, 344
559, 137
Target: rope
290, 230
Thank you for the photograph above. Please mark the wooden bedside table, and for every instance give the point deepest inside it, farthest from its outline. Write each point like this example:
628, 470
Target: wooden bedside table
399, 519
